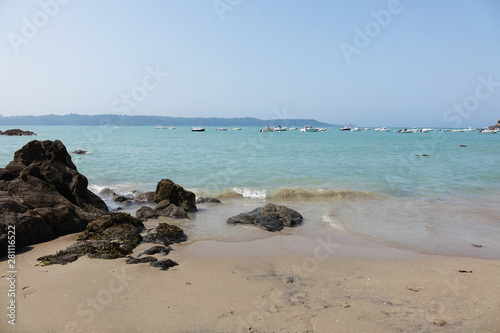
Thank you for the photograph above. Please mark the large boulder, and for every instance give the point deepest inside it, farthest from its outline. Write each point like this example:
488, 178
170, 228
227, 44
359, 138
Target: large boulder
270, 217
44, 196
175, 194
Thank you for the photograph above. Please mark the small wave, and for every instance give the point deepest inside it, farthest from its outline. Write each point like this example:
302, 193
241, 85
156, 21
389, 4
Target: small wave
310, 194
250, 192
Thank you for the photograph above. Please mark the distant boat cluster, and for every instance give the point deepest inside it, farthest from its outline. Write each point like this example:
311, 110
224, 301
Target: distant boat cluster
309, 128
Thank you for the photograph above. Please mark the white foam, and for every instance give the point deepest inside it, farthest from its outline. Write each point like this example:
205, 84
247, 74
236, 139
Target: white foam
335, 224
250, 193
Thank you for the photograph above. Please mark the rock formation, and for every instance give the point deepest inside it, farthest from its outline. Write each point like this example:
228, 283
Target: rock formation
111, 236
44, 196
16, 132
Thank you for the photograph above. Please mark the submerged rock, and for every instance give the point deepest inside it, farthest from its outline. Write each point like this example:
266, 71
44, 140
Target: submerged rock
44, 196
207, 200
146, 197
79, 152
165, 234
270, 217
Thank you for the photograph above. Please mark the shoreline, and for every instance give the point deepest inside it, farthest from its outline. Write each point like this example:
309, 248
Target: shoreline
287, 283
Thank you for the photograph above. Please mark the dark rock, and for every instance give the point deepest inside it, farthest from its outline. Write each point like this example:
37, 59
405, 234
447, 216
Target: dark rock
17, 132
145, 213
156, 249
131, 260
165, 234
147, 197
175, 194
101, 249
206, 200
270, 217
121, 198
166, 208
113, 235
163, 264
107, 192
79, 152
44, 196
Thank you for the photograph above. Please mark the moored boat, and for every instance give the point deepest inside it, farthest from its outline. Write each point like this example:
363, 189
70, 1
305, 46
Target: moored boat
197, 129
309, 128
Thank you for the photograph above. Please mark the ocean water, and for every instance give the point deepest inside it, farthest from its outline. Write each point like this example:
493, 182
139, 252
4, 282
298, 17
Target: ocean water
436, 192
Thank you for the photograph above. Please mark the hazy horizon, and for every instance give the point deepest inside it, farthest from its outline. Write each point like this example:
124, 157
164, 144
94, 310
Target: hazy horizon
370, 63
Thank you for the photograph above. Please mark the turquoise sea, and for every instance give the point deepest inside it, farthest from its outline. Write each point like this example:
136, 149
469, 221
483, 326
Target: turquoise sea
436, 192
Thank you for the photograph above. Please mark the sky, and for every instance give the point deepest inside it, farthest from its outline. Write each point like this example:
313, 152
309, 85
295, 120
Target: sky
388, 63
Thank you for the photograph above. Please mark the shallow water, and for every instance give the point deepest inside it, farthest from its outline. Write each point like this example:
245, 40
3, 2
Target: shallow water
375, 185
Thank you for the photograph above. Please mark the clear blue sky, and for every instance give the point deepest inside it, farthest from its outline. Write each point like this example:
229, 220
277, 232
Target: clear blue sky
256, 58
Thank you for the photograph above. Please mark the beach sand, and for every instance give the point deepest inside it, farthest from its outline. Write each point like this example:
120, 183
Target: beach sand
327, 282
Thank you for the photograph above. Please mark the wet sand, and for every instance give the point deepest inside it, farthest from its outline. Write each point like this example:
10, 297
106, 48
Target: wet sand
321, 282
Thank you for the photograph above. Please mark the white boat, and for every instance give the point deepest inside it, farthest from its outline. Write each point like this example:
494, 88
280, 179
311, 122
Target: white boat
266, 129
237, 128
355, 129
309, 128
470, 129
427, 130
382, 129
159, 127
293, 128
279, 129
366, 129
322, 129
197, 129
345, 128
171, 127
406, 130
457, 130
221, 129
444, 130
118, 127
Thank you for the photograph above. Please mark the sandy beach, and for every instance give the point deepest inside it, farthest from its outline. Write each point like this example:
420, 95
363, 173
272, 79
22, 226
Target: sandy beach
285, 283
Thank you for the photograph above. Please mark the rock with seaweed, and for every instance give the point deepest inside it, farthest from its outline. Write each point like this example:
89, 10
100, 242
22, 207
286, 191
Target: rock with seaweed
270, 217
165, 234
111, 236
43, 195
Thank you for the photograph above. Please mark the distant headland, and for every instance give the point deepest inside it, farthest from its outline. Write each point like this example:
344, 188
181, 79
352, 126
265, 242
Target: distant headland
124, 120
